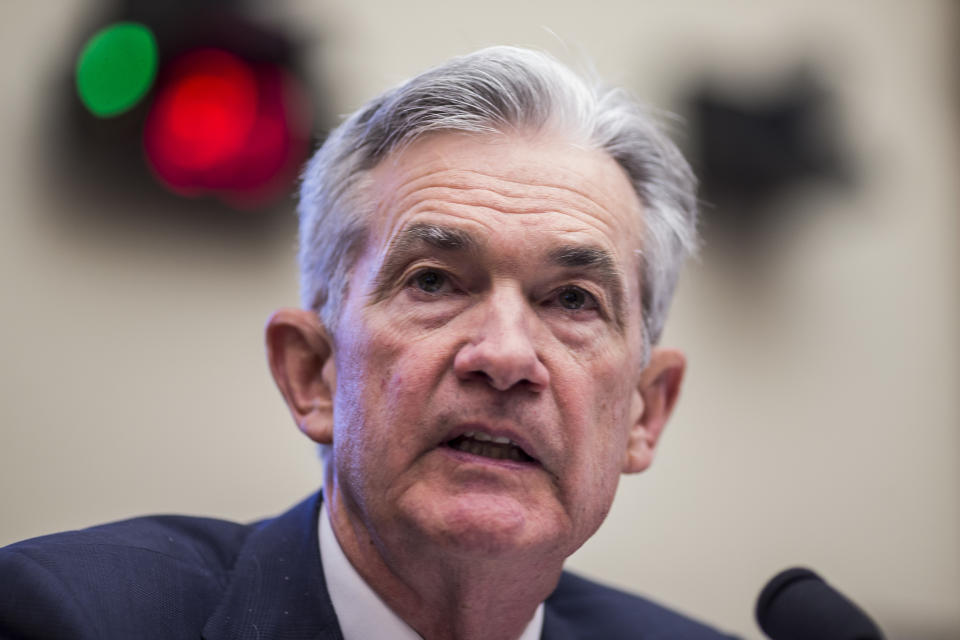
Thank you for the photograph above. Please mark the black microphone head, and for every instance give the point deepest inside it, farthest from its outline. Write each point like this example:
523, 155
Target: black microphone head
798, 605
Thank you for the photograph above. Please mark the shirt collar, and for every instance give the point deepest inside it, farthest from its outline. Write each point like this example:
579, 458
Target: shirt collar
360, 611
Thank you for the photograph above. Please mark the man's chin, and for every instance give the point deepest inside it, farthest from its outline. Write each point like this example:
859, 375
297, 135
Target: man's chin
484, 526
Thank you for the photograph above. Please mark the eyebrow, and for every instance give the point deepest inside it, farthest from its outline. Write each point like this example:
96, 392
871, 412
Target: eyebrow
411, 241
434, 235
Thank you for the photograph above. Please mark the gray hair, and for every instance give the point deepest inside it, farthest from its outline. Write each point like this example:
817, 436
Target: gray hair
495, 90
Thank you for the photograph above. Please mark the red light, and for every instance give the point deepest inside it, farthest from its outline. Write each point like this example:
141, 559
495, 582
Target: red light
221, 125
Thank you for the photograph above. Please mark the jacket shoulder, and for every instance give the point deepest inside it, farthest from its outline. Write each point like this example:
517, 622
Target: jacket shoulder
587, 609
148, 577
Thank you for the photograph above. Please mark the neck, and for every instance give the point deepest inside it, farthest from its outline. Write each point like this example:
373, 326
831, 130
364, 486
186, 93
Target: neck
443, 594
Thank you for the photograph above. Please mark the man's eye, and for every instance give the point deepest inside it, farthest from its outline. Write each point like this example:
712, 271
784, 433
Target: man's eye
575, 299
429, 280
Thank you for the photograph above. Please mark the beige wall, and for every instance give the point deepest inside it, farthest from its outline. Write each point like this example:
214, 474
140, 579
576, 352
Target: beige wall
819, 422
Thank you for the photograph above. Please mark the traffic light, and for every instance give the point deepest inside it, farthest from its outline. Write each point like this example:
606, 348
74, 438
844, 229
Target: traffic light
203, 97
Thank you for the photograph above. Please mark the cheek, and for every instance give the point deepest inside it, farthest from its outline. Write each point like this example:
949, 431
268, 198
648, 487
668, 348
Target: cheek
600, 386
597, 400
356, 407
382, 382
404, 371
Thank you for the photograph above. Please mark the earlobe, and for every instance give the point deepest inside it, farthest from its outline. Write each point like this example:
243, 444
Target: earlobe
300, 354
656, 396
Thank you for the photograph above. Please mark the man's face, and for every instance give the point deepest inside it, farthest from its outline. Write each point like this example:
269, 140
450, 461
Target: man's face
488, 352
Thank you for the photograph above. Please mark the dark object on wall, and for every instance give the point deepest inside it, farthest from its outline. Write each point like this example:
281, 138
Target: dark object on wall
751, 149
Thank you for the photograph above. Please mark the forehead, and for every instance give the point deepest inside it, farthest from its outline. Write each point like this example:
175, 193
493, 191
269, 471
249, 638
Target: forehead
521, 187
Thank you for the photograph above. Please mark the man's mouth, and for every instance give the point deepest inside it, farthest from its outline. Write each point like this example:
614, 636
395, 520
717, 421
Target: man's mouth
482, 444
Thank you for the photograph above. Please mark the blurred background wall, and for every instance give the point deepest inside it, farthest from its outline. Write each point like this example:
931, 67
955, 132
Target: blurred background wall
819, 422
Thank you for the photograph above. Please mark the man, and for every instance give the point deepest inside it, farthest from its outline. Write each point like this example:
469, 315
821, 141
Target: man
487, 254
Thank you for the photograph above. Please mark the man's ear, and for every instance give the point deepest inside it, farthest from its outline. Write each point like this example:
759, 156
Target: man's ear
300, 353
656, 395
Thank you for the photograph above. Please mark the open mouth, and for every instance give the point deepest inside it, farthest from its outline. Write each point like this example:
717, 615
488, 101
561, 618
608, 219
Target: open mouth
487, 446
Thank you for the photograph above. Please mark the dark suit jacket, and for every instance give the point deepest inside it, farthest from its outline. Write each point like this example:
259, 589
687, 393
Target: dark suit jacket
170, 577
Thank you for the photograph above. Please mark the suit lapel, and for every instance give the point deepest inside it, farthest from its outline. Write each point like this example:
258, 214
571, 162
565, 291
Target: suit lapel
277, 589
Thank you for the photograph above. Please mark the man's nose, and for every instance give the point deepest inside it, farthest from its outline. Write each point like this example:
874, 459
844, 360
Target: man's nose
501, 349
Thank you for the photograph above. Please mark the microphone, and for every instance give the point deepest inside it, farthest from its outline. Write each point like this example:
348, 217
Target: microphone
798, 605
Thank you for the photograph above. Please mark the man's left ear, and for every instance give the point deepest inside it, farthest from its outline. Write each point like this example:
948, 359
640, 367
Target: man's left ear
655, 397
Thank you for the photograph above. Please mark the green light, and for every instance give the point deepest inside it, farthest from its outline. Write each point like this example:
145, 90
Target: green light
116, 68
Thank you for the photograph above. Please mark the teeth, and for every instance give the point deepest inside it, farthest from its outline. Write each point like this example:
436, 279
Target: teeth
483, 444
489, 449
485, 437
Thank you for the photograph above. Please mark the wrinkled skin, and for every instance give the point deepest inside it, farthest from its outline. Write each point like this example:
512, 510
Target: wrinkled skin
489, 329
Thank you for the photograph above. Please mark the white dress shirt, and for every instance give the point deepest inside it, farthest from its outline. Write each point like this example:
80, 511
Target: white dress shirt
360, 611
